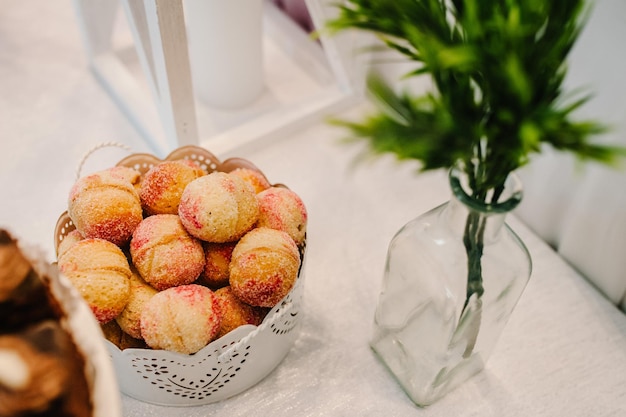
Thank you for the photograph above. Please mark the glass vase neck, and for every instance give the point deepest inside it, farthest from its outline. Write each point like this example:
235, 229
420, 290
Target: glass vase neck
508, 198
465, 211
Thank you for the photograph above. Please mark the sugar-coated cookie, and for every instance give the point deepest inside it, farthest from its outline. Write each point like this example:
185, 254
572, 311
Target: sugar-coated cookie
163, 185
100, 272
106, 205
69, 240
181, 319
235, 312
264, 267
282, 209
216, 269
114, 334
164, 253
129, 319
218, 207
254, 178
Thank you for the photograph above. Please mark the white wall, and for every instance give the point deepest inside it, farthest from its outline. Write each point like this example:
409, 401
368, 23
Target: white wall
581, 209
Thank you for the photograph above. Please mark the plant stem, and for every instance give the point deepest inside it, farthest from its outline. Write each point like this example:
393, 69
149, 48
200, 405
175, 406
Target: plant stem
473, 241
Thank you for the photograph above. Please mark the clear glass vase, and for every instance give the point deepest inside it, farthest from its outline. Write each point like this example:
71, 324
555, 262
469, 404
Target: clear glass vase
452, 279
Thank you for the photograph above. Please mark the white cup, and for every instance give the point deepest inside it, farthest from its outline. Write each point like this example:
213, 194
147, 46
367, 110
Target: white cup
225, 39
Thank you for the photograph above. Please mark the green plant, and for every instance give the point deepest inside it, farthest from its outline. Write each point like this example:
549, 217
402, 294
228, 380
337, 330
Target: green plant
497, 69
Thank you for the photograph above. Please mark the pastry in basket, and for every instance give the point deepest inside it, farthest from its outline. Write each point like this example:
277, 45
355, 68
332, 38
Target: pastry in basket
177, 259
164, 253
163, 185
129, 320
218, 255
42, 372
253, 177
282, 209
264, 267
114, 334
106, 205
129, 174
181, 319
218, 207
100, 272
72, 237
236, 313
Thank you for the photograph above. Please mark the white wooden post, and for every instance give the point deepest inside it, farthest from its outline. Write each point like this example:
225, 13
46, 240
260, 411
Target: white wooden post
304, 81
158, 30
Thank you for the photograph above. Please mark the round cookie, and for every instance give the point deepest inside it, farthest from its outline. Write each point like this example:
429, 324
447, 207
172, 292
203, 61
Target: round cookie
164, 253
129, 174
264, 267
68, 241
101, 274
254, 178
106, 205
129, 319
235, 312
218, 207
216, 268
282, 209
163, 185
181, 319
114, 334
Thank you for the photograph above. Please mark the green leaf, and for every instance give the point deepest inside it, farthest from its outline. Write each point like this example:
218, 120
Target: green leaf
530, 134
388, 102
518, 81
497, 68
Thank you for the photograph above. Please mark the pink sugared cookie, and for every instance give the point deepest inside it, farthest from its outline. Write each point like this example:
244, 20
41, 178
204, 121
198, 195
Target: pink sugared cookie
163, 185
264, 267
100, 272
235, 312
218, 255
129, 319
68, 241
254, 178
164, 253
218, 207
181, 319
114, 334
129, 174
106, 205
282, 209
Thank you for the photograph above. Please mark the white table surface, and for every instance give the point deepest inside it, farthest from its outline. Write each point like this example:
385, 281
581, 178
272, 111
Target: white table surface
563, 352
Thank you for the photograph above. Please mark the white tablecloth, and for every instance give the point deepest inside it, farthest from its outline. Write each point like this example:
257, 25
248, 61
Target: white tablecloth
563, 352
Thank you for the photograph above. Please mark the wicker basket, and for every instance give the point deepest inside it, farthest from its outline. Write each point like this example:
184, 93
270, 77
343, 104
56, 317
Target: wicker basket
228, 365
76, 318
